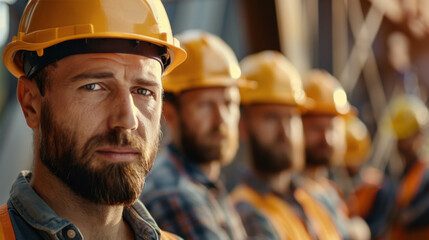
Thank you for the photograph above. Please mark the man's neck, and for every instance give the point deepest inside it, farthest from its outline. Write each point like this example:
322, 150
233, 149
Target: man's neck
94, 221
279, 182
211, 170
315, 172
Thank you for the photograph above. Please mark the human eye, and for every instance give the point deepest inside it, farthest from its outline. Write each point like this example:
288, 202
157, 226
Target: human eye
143, 91
92, 87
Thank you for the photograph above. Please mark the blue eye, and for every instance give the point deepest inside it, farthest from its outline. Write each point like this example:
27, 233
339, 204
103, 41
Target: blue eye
143, 91
92, 86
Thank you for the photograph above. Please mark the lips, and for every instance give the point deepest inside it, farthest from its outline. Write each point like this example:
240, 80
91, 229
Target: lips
118, 154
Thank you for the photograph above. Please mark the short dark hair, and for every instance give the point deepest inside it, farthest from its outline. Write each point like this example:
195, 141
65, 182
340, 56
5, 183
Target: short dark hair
42, 78
171, 98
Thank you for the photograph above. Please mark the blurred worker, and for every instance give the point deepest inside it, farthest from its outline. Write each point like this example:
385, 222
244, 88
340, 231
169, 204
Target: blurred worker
201, 109
399, 209
358, 145
90, 88
270, 206
324, 134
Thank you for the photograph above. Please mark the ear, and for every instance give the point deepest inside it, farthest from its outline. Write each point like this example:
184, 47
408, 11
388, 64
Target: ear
170, 115
30, 100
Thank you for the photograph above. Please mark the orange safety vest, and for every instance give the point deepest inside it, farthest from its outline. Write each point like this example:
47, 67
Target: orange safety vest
6, 229
319, 217
285, 221
7, 233
283, 217
407, 191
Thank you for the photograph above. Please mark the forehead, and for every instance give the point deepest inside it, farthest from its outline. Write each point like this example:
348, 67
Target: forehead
116, 62
269, 108
320, 120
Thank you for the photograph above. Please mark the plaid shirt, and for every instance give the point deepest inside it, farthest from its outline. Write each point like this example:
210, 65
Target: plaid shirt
184, 201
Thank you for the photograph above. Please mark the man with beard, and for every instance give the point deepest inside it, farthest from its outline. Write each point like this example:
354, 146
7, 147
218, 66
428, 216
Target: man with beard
183, 192
324, 134
269, 204
90, 88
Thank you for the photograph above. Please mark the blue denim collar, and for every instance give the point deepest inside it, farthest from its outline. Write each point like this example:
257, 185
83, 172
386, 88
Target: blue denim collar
40, 216
32, 208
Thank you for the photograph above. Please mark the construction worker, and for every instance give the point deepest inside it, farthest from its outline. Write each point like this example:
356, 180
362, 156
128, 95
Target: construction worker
201, 109
324, 134
270, 206
398, 208
89, 85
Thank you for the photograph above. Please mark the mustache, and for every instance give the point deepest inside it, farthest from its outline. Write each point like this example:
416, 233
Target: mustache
219, 130
115, 138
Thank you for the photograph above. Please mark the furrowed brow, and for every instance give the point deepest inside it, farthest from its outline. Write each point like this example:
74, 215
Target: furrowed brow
99, 75
145, 82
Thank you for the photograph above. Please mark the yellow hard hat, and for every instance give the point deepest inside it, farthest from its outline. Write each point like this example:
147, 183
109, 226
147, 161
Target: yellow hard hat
210, 63
405, 116
358, 142
325, 95
47, 23
278, 81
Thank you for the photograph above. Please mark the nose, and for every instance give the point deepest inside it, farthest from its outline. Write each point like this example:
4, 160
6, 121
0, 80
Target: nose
123, 112
284, 129
220, 115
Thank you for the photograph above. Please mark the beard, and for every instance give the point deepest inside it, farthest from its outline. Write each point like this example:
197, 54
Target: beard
316, 159
267, 160
98, 181
199, 152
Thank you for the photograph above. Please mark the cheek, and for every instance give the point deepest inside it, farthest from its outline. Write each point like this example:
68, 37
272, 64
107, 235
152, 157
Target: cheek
197, 119
75, 116
310, 137
233, 118
265, 132
297, 132
149, 121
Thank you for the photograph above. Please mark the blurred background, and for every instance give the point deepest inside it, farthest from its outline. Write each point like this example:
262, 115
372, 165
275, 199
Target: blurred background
376, 48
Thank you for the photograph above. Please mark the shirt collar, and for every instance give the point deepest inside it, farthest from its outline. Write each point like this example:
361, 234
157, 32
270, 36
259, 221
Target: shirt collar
40, 216
262, 187
32, 208
191, 168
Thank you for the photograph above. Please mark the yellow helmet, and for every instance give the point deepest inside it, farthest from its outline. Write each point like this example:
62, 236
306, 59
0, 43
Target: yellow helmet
358, 142
325, 95
405, 116
47, 23
210, 63
278, 81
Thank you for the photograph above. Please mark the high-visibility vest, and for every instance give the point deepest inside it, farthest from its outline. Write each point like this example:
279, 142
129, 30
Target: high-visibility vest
285, 221
319, 217
6, 229
7, 233
407, 191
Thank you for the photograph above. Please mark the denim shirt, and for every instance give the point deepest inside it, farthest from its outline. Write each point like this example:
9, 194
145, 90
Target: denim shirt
184, 201
32, 218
